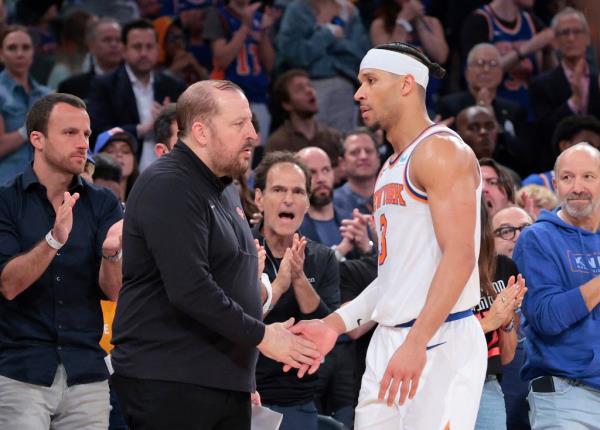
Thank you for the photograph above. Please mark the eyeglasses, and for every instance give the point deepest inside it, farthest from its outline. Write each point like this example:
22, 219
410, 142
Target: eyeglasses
481, 63
508, 232
570, 31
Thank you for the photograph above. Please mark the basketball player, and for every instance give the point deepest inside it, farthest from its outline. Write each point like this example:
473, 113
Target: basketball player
426, 361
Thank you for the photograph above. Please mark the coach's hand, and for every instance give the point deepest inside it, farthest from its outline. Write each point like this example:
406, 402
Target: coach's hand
403, 372
281, 345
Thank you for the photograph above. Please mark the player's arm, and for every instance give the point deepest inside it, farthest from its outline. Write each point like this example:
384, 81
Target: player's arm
452, 202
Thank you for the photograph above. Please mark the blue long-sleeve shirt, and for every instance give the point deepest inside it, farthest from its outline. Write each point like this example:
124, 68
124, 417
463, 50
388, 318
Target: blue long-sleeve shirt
303, 43
556, 258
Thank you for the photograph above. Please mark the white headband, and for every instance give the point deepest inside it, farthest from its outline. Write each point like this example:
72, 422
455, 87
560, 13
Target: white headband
397, 63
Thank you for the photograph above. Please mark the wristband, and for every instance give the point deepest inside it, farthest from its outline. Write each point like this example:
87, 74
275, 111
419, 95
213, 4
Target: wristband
338, 255
264, 279
116, 257
407, 26
53, 243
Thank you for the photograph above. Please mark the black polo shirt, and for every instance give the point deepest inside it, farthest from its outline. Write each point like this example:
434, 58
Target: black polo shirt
57, 319
189, 310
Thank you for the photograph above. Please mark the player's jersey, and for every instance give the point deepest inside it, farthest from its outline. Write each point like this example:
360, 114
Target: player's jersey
515, 84
408, 250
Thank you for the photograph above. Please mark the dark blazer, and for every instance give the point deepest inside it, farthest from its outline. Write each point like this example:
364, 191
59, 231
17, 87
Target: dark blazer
111, 101
78, 85
505, 110
549, 93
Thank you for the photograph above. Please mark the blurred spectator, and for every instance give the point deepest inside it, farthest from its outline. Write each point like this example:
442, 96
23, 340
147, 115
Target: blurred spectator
568, 132
501, 294
39, 16
405, 21
346, 233
178, 62
519, 37
327, 39
192, 15
571, 88
132, 96
122, 146
165, 130
103, 38
149, 9
18, 92
71, 47
121, 10
304, 277
479, 129
360, 162
558, 255
243, 51
108, 174
498, 186
483, 74
533, 198
295, 93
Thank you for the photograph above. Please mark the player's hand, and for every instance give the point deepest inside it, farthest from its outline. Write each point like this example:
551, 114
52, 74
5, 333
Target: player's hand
64, 217
281, 345
322, 335
403, 373
114, 239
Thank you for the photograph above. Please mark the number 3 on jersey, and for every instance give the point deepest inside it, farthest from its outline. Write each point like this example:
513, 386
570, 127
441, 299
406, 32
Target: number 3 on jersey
382, 240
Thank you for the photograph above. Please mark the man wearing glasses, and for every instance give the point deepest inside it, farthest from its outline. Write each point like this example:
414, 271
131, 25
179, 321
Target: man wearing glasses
569, 89
507, 224
559, 256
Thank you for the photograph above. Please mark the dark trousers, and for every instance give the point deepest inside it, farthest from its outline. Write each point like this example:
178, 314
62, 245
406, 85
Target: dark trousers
161, 405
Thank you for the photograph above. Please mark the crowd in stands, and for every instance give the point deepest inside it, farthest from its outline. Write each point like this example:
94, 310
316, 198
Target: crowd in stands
522, 87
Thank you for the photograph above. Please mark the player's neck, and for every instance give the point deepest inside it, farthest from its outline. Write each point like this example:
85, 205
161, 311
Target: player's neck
505, 9
405, 132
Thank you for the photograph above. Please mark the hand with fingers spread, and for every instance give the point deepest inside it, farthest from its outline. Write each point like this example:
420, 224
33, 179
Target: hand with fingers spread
403, 373
64, 217
281, 345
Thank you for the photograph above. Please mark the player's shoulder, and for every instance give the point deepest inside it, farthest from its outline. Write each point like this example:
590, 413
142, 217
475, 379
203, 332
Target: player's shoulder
445, 145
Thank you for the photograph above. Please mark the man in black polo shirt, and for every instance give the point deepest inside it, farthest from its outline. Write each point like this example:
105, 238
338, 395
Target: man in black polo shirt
189, 316
60, 248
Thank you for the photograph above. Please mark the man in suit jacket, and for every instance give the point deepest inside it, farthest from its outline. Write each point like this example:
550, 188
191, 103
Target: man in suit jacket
571, 88
103, 37
131, 97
